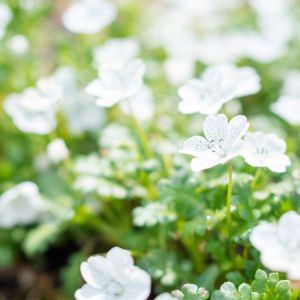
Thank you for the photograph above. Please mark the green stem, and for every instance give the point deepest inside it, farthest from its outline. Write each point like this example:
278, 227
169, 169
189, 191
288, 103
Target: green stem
140, 134
256, 178
229, 197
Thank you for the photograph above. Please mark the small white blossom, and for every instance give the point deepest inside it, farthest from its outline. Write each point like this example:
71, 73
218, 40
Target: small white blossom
151, 214
265, 150
5, 18
21, 205
218, 85
57, 151
222, 142
18, 44
32, 111
114, 277
116, 85
89, 16
116, 52
279, 244
165, 296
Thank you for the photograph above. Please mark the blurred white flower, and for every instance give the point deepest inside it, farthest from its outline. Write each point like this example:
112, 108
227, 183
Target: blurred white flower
218, 85
152, 214
89, 16
265, 150
113, 277
18, 44
222, 142
288, 105
165, 296
79, 108
32, 111
116, 85
179, 70
279, 244
116, 52
141, 104
57, 151
5, 18
21, 205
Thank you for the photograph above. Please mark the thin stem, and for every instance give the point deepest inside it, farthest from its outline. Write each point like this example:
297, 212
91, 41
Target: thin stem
256, 178
229, 196
143, 139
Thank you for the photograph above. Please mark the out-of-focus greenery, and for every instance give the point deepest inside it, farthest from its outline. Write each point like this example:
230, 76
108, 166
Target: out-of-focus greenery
194, 246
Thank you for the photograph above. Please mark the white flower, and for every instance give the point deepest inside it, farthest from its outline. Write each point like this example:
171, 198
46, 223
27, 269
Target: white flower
218, 85
31, 111
5, 18
265, 150
179, 69
21, 205
222, 142
288, 105
89, 16
79, 108
57, 151
116, 85
279, 244
165, 296
116, 52
114, 277
18, 44
151, 214
141, 104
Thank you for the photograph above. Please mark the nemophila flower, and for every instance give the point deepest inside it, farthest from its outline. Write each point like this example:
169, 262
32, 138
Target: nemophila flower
114, 277
265, 150
21, 205
222, 142
57, 151
32, 111
152, 214
89, 16
279, 244
18, 44
218, 85
5, 18
141, 105
116, 52
116, 85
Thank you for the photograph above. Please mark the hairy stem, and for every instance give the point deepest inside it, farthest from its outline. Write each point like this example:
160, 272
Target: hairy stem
229, 197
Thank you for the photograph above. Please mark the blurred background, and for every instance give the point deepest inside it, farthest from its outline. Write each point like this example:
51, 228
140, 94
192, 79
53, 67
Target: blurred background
88, 162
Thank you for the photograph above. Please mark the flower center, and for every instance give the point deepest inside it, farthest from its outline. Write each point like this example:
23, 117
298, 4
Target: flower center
114, 288
216, 146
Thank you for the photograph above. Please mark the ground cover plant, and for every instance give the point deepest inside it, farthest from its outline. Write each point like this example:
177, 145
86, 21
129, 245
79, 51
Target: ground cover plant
149, 149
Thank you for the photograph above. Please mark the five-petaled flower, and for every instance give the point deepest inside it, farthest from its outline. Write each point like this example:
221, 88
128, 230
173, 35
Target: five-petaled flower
222, 142
115, 85
113, 277
279, 244
265, 150
218, 85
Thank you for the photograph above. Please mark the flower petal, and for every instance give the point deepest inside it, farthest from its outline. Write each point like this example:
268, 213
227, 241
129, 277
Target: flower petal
203, 163
237, 127
88, 292
95, 271
215, 128
196, 145
120, 258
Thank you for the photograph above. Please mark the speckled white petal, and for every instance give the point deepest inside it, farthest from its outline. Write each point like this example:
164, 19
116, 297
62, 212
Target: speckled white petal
203, 163
195, 146
215, 128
